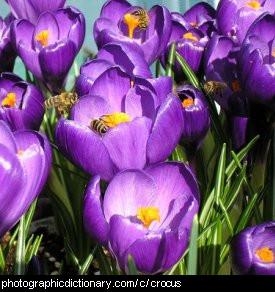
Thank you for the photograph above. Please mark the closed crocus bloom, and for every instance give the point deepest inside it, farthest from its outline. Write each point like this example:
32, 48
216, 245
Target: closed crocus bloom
121, 124
31, 9
146, 214
7, 53
234, 17
48, 48
196, 120
25, 159
21, 103
119, 21
253, 250
129, 57
257, 61
190, 44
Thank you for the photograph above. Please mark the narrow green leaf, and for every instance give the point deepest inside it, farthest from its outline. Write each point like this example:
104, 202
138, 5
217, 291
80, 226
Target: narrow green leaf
158, 69
179, 154
219, 185
27, 248
227, 219
34, 248
132, 266
20, 249
2, 260
85, 267
29, 217
193, 248
216, 247
104, 266
71, 254
190, 75
171, 61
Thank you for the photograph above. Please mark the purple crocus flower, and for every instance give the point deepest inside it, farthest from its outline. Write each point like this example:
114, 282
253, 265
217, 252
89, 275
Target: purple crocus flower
253, 250
146, 214
129, 57
190, 44
7, 53
49, 47
196, 120
25, 159
234, 17
118, 22
143, 119
257, 61
32, 9
21, 103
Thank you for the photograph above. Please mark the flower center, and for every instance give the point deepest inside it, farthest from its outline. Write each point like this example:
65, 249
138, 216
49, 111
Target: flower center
190, 36
273, 53
236, 85
253, 4
43, 37
194, 24
132, 22
148, 215
265, 255
9, 100
187, 102
115, 119
20, 152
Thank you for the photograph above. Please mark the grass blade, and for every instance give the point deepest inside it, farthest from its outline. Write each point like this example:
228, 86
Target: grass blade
193, 248
85, 267
2, 260
20, 249
132, 266
171, 61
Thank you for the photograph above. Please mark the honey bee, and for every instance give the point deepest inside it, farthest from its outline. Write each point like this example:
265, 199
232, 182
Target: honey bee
144, 19
63, 102
214, 87
98, 126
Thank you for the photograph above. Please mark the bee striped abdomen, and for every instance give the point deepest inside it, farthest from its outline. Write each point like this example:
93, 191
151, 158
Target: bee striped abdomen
144, 19
98, 126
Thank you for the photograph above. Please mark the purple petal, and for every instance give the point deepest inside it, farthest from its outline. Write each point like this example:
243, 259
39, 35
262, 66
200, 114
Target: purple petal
95, 160
89, 108
6, 137
123, 233
7, 80
22, 31
126, 143
199, 13
104, 24
94, 220
128, 57
12, 180
239, 129
128, 191
113, 84
114, 9
166, 131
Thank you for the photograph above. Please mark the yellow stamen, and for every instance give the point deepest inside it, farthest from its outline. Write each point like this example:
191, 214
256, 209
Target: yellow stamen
115, 119
265, 254
20, 152
43, 37
190, 36
9, 100
132, 83
236, 85
273, 53
187, 102
132, 22
194, 24
148, 215
253, 4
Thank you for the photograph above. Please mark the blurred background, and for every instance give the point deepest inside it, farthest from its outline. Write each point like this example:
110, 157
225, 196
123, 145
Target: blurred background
91, 10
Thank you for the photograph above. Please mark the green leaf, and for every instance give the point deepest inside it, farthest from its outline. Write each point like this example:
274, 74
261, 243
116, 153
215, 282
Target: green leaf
219, 185
85, 267
179, 154
2, 260
193, 248
34, 248
227, 219
190, 75
20, 249
171, 61
132, 266
104, 266
216, 245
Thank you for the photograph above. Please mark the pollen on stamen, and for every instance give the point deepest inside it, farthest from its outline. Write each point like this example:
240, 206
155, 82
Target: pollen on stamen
115, 119
147, 215
190, 36
273, 53
187, 102
20, 152
265, 254
194, 24
9, 100
253, 4
43, 37
132, 22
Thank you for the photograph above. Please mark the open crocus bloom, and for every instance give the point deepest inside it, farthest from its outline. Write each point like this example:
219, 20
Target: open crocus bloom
25, 159
21, 103
146, 214
7, 53
119, 21
257, 61
144, 123
129, 57
234, 17
253, 250
49, 47
31, 9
